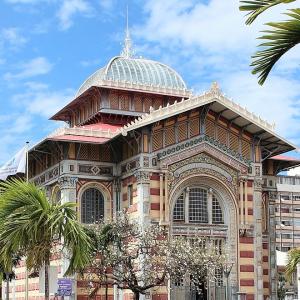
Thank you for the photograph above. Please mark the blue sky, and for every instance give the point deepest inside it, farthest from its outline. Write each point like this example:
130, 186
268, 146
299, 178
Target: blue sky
49, 47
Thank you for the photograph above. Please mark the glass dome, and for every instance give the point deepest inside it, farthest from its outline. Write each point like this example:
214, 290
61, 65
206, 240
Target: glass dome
137, 71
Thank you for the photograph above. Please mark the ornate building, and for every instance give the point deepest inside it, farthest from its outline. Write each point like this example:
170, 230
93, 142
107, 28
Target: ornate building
137, 138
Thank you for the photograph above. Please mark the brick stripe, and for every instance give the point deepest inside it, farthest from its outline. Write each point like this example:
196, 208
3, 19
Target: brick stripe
250, 212
249, 297
250, 197
265, 258
265, 272
155, 206
246, 282
155, 176
154, 192
246, 240
265, 246
246, 268
246, 254
249, 183
266, 285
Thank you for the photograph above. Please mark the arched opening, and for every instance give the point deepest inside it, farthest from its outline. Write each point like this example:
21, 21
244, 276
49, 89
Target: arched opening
199, 209
92, 206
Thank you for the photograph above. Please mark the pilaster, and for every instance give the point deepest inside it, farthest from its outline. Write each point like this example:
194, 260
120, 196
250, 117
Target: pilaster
258, 258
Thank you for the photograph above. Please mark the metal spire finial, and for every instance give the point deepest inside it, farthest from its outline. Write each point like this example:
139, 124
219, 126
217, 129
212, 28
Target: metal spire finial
127, 50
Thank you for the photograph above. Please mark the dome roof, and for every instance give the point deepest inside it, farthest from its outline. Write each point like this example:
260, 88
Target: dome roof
136, 72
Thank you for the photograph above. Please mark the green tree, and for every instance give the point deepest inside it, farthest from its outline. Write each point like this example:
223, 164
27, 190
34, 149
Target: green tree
277, 40
139, 259
34, 225
293, 261
8, 275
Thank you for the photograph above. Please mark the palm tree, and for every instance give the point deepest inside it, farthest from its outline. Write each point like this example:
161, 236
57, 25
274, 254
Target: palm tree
33, 225
293, 261
278, 39
8, 276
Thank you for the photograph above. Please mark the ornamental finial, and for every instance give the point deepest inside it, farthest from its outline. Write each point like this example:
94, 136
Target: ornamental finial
127, 50
215, 88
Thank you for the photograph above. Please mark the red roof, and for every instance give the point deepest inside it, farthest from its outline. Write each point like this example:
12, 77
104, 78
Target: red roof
80, 138
285, 158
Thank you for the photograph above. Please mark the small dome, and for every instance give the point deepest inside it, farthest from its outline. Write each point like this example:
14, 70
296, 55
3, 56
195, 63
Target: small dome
135, 71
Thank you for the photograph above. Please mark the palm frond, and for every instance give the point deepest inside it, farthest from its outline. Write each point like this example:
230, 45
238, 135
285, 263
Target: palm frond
278, 40
293, 261
257, 7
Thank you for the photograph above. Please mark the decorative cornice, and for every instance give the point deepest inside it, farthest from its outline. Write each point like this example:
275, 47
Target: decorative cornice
84, 132
214, 94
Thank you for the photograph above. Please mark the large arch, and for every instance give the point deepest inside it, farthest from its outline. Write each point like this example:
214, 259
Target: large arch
229, 204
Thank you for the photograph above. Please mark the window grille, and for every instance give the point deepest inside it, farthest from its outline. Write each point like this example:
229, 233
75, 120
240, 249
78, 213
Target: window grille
178, 213
169, 136
95, 153
182, 131
246, 149
234, 142
198, 205
217, 214
114, 100
222, 135
194, 127
124, 101
84, 152
105, 153
92, 206
210, 128
147, 104
157, 140
157, 102
138, 103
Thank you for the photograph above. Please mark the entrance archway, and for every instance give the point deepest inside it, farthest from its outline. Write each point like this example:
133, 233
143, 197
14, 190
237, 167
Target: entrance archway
202, 205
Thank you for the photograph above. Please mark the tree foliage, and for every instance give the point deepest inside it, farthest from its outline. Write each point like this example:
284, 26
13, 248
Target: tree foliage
33, 225
136, 259
278, 39
293, 261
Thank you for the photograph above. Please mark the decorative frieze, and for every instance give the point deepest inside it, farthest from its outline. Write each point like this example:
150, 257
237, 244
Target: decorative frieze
199, 140
95, 170
67, 182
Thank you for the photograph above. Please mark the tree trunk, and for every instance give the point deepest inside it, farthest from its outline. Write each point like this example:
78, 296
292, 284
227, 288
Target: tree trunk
7, 286
47, 293
136, 295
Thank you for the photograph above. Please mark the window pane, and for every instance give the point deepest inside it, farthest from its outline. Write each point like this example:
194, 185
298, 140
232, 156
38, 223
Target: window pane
178, 213
92, 206
198, 206
217, 214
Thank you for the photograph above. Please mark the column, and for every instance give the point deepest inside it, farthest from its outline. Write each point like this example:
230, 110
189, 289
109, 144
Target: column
143, 197
143, 203
167, 204
161, 198
272, 244
246, 201
258, 257
241, 202
67, 186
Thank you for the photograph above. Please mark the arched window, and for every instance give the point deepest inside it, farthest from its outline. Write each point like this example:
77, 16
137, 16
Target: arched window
92, 206
199, 206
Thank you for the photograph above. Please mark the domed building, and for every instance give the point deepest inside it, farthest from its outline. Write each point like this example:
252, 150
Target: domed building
138, 139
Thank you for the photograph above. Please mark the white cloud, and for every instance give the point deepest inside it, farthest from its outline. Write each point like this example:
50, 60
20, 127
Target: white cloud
69, 9
39, 99
89, 63
208, 41
13, 37
34, 67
